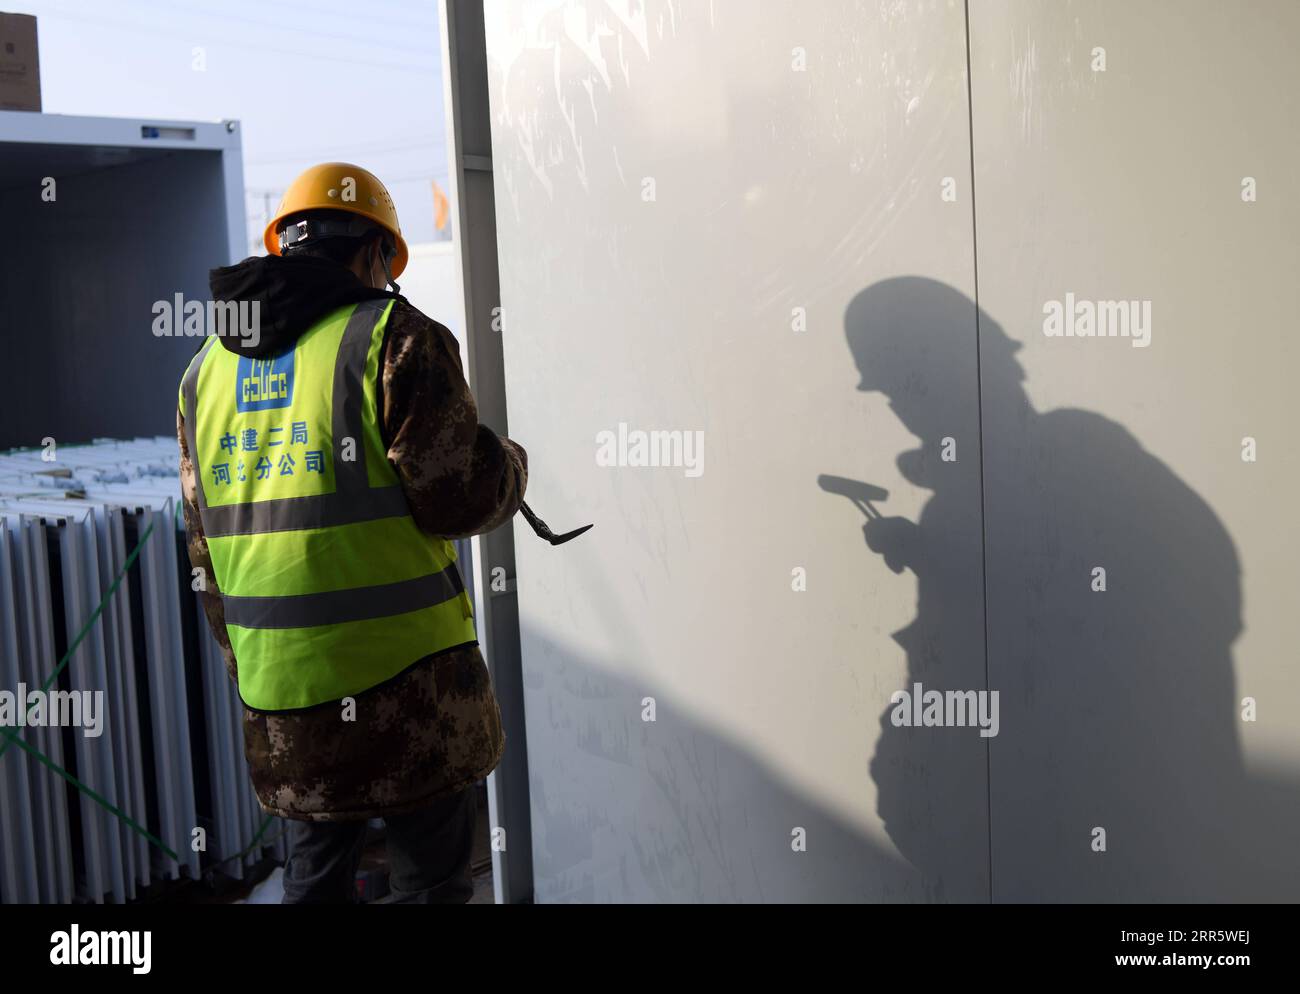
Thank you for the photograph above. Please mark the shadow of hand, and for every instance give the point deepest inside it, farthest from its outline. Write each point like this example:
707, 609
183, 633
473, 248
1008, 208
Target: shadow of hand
894, 538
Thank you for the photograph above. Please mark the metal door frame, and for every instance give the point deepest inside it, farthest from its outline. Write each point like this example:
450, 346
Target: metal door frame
469, 159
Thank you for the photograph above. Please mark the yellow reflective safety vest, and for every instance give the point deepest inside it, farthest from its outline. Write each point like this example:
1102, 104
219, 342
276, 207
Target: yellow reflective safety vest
329, 586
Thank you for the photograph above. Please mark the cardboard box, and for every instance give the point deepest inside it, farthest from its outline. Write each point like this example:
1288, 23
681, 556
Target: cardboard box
20, 68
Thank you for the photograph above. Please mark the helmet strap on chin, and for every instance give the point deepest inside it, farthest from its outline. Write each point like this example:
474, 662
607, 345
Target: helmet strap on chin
384, 252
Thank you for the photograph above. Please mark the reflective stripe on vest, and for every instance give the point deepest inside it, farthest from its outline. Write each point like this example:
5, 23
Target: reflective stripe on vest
329, 586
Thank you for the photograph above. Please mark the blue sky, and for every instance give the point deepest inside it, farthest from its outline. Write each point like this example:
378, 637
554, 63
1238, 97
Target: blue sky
310, 81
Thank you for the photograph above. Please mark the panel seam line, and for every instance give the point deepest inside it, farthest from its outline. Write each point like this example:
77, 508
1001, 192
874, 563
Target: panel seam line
979, 410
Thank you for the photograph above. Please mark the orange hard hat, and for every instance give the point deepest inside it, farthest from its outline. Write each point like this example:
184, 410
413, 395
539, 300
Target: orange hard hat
340, 186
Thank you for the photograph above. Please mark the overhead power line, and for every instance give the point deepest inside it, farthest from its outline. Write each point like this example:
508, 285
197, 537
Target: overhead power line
132, 26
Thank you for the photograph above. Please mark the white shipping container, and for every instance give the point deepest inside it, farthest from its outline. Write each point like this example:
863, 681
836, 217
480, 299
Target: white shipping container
106, 221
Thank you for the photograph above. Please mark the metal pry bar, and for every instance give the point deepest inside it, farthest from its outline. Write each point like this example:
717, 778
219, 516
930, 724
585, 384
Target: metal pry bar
543, 531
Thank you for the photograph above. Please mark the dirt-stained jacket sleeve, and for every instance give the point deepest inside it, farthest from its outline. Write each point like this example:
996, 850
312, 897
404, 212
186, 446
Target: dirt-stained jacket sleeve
459, 476
197, 543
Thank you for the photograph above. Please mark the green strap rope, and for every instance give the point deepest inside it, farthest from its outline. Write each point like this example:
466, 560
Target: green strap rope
97, 798
90, 622
14, 739
252, 845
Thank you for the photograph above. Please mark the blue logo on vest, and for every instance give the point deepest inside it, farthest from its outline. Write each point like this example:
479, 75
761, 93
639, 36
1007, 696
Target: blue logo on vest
264, 384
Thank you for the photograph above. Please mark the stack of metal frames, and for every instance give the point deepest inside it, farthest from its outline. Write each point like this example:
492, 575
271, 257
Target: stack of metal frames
95, 595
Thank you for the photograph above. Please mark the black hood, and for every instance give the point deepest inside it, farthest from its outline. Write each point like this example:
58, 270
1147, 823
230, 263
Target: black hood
291, 293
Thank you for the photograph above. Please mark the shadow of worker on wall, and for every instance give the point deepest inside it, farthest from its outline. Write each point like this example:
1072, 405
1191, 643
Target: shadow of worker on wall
1118, 709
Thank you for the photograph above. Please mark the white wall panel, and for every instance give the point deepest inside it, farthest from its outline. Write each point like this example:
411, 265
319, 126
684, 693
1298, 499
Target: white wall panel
673, 182
797, 154
1123, 709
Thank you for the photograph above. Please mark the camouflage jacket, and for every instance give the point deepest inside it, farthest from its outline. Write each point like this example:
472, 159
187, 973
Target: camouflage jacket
436, 727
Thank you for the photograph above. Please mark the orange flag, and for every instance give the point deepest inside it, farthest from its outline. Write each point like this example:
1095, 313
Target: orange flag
441, 206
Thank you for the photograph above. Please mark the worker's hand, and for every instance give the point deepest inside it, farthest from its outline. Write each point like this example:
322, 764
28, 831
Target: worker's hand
893, 538
518, 449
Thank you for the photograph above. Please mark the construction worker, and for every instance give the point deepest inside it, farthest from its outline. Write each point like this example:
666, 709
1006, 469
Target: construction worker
327, 456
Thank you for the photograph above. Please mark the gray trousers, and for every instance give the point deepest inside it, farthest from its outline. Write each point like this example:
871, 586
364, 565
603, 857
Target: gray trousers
428, 856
